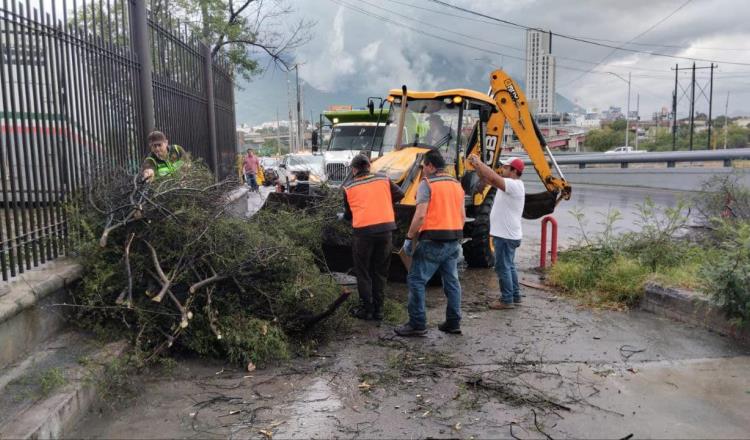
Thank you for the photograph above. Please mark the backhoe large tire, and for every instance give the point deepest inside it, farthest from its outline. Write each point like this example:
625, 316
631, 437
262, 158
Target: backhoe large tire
478, 252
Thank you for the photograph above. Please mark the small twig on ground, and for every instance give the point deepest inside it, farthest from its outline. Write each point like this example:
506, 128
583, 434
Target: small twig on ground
538, 428
626, 351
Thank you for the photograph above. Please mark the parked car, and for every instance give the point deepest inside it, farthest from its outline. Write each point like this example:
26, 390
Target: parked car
620, 150
297, 172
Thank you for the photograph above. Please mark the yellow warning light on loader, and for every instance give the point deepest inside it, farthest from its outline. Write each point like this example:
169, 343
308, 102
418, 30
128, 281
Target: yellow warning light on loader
457, 99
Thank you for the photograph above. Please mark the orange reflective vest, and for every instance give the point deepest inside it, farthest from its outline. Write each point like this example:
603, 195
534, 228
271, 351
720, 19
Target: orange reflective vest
445, 212
370, 201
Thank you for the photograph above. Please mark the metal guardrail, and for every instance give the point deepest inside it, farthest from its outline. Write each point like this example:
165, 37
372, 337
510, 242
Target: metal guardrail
670, 158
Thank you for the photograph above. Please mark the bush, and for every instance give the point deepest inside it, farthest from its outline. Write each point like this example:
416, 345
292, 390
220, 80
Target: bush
621, 281
657, 242
727, 277
722, 197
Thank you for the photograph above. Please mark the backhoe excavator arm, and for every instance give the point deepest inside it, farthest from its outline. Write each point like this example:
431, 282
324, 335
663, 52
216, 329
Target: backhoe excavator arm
514, 109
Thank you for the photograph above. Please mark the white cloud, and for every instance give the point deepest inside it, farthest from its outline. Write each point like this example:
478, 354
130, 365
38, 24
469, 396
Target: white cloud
324, 70
364, 53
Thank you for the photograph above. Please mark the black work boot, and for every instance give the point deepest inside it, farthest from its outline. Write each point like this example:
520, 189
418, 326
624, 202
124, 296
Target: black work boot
408, 330
361, 312
377, 313
447, 327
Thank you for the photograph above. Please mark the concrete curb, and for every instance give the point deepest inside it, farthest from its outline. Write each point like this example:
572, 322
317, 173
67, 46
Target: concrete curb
25, 316
54, 416
692, 308
41, 282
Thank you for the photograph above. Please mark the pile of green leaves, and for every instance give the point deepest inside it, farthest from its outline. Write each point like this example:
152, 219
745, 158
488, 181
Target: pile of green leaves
244, 289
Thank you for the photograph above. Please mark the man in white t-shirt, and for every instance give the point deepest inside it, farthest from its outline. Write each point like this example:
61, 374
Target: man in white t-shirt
505, 224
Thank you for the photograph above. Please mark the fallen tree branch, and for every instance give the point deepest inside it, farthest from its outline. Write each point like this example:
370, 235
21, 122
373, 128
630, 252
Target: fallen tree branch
328, 312
129, 289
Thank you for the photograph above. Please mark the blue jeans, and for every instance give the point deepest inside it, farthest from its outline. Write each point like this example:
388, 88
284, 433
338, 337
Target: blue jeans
505, 268
430, 257
251, 180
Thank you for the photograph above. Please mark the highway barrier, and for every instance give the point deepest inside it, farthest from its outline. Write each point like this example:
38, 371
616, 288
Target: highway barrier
680, 170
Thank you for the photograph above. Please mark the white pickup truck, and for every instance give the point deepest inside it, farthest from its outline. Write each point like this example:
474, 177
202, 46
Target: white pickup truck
622, 150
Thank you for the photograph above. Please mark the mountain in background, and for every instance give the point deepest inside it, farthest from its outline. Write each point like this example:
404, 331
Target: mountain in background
260, 100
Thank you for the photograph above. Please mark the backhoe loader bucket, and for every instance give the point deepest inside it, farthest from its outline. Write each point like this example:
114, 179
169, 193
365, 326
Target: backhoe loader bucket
539, 204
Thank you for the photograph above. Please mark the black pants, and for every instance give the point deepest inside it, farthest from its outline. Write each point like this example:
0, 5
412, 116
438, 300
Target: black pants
372, 256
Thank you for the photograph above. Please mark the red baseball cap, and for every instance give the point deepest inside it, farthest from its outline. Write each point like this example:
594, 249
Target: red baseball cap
515, 163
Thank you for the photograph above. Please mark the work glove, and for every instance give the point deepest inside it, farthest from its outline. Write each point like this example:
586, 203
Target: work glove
339, 216
408, 247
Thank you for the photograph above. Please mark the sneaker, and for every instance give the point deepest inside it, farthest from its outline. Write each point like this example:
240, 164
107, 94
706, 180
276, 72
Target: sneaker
453, 329
517, 301
361, 312
499, 305
408, 330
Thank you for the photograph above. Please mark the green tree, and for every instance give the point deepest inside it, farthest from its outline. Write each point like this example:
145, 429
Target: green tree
241, 31
271, 147
603, 139
618, 125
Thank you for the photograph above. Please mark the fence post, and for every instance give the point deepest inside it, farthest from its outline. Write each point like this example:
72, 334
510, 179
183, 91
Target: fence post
143, 51
208, 68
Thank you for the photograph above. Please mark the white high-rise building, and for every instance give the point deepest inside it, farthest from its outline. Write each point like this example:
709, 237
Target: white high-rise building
540, 72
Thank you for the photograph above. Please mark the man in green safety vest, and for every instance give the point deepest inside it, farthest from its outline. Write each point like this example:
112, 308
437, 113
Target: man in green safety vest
164, 159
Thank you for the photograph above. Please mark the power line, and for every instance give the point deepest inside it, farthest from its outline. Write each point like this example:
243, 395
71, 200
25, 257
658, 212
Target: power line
631, 40
473, 37
475, 20
583, 40
377, 16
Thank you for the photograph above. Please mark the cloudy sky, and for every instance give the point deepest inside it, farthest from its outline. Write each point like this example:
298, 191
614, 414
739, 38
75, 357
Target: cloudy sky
362, 48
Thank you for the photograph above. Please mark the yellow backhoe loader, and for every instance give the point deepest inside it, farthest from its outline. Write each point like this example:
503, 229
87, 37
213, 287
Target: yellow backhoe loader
458, 123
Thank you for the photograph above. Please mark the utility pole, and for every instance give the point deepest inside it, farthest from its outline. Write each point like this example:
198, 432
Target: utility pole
710, 105
291, 120
726, 121
674, 109
627, 115
692, 102
692, 107
299, 110
278, 134
637, 117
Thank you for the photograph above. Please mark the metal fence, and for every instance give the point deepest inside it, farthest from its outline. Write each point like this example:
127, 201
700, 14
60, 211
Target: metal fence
73, 102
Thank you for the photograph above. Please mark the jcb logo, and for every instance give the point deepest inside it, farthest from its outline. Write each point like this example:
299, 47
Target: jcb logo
511, 90
491, 143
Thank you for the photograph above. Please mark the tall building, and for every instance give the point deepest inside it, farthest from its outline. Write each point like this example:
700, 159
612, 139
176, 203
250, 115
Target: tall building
540, 72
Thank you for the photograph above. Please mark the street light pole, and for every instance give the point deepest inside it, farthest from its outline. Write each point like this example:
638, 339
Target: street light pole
627, 114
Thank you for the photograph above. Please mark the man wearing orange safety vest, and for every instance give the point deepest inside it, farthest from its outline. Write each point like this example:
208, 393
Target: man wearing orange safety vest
368, 203
434, 241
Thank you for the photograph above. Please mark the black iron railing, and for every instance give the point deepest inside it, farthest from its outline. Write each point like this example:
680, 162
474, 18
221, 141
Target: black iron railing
73, 103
